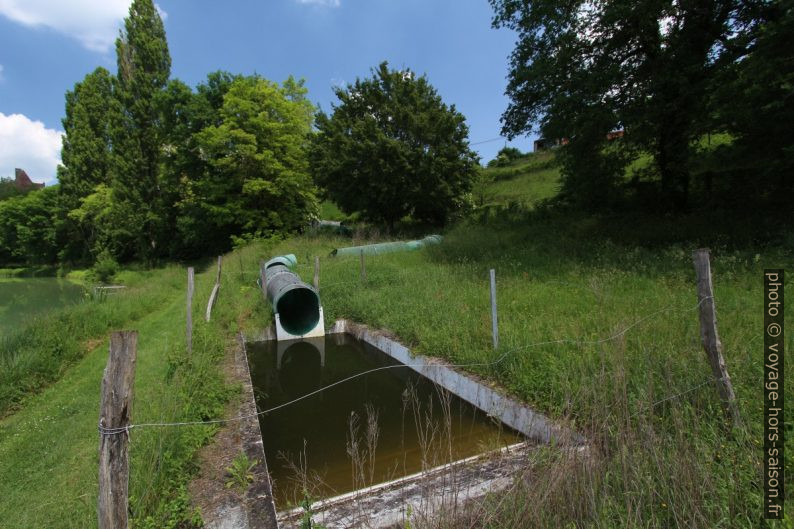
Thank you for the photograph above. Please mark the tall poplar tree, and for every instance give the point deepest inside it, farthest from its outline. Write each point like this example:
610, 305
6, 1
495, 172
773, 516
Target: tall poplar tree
144, 66
91, 108
85, 156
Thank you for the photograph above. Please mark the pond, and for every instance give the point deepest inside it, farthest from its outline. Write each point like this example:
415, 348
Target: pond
374, 428
23, 298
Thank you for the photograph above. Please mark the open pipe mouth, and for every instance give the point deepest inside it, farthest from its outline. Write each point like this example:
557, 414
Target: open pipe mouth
299, 310
301, 369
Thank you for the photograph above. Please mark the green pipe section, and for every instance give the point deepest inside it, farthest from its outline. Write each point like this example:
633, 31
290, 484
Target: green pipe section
387, 247
296, 303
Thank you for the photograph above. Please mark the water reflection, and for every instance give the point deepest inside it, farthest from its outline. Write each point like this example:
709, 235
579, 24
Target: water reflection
300, 366
308, 443
23, 299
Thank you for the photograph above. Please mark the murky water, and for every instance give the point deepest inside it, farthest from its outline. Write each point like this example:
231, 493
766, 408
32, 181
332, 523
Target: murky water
417, 425
23, 298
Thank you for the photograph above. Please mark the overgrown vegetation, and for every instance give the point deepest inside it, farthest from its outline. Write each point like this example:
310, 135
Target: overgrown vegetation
597, 311
598, 326
638, 387
38, 354
568, 279
48, 444
240, 475
530, 179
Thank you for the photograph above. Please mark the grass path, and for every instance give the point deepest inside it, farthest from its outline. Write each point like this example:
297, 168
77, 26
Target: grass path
48, 449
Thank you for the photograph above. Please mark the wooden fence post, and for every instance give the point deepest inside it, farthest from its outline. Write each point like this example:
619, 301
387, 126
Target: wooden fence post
363, 267
709, 335
262, 278
494, 323
189, 330
115, 411
316, 272
214, 294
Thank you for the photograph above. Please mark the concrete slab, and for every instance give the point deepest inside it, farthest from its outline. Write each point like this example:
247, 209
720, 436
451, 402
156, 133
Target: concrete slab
481, 394
449, 486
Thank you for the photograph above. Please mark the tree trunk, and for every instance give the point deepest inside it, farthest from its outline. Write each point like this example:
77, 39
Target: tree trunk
672, 159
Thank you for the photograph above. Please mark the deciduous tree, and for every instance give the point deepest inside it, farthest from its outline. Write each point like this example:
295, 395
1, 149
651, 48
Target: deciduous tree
256, 180
392, 148
583, 68
144, 65
27, 228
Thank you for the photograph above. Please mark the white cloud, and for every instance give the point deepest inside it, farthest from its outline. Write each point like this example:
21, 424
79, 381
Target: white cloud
1, 72
30, 145
161, 12
95, 23
327, 3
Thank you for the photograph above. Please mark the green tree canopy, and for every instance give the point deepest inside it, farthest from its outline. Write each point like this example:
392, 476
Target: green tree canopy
581, 69
27, 227
86, 157
755, 104
255, 178
7, 188
184, 114
392, 148
144, 66
505, 156
91, 108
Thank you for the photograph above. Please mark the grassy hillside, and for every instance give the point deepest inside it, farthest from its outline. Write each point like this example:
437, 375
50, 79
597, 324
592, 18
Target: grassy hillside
598, 329
598, 326
526, 181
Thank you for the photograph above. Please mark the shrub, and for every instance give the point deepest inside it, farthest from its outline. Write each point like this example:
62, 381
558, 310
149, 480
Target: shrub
105, 267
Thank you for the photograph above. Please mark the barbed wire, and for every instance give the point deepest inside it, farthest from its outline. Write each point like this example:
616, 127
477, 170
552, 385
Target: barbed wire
114, 431
652, 405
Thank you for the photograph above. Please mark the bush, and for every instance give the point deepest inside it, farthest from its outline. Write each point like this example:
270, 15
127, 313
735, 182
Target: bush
105, 267
506, 156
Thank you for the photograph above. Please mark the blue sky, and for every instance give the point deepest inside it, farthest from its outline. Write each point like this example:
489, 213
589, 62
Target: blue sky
48, 45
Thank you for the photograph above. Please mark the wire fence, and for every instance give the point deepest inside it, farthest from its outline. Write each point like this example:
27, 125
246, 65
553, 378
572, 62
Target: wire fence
672, 308
375, 276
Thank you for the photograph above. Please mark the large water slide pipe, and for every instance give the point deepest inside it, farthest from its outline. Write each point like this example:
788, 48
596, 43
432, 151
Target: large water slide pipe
295, 304
386, 247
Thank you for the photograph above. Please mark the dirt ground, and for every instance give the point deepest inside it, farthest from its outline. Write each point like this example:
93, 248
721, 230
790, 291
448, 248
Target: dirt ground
222, 507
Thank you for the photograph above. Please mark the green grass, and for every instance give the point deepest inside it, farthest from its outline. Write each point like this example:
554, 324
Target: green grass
29, 271
525, 182
643, 165
48, 450
528, 188
662, 455
39, 353
528, 162
586, 279
48, 447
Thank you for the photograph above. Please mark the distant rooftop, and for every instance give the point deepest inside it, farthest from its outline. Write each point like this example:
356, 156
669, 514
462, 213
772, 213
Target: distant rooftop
23, 182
